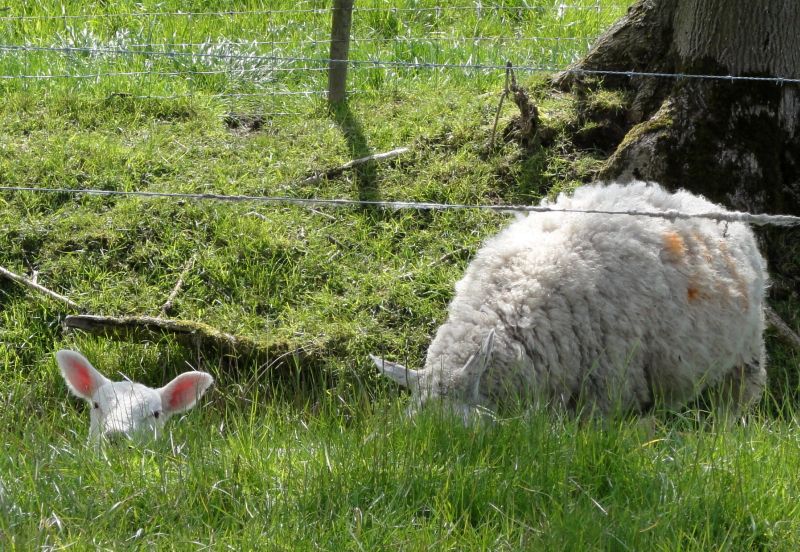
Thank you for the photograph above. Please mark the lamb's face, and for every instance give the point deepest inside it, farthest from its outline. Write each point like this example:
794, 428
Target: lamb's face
458, 389
126, 409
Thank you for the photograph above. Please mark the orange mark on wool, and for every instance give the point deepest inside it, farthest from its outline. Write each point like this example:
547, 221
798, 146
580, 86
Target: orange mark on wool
739, 282
697, 290
674, 245
702, 247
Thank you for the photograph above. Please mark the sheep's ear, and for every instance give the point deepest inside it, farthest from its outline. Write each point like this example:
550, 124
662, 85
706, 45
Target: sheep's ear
477, 365
81, 377
183, 392
397, 372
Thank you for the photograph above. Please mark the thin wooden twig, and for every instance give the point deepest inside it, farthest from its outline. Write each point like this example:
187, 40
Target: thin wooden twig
40, 288
320, 213
167, 307
506, 92
254, 214
351, 164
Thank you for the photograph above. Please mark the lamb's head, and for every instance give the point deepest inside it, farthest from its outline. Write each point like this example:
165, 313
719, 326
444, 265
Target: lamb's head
127, 409
458, 389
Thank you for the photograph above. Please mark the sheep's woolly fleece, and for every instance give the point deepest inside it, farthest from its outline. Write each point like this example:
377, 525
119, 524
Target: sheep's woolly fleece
605, 311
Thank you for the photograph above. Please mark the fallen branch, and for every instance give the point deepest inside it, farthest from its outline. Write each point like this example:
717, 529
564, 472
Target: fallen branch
787, 334
40, 288
351, 164
141, 328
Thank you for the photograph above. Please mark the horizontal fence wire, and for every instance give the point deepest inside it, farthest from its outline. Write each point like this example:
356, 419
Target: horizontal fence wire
719, 216
392, 40
324, 61
356, 9
162, 74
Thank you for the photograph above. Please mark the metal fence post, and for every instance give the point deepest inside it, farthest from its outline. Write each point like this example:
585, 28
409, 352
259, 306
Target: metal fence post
340, 49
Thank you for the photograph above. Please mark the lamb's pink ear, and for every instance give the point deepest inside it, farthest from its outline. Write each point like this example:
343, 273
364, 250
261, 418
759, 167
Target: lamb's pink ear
81, 377
182, 393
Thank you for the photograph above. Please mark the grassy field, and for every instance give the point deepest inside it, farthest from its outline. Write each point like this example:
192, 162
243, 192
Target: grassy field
306, 448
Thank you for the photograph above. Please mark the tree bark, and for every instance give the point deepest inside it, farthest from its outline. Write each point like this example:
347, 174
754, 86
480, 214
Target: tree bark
736, 141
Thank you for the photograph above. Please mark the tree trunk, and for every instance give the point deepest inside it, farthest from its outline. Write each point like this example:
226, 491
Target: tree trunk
738, 142
735, 141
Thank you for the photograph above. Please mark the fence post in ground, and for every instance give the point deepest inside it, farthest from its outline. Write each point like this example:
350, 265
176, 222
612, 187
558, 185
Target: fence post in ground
340, 49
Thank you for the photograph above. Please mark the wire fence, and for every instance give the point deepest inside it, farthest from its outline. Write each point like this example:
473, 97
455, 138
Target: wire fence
718, 216
281, 64
284, 51
281, 53
280, 56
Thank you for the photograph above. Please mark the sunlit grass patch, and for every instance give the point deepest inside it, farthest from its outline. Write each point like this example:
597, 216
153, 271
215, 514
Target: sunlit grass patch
307, 448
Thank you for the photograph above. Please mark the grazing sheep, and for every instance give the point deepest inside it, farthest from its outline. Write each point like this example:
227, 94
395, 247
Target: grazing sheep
603, 312
124, 408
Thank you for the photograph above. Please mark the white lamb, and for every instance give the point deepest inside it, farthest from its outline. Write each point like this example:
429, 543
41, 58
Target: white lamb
603, 312
124, 408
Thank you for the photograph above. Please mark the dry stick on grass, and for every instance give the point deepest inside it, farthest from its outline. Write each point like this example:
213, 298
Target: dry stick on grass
40, 288
167, 307
352, 164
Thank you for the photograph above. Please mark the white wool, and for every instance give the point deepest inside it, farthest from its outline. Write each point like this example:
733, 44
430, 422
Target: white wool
604, 311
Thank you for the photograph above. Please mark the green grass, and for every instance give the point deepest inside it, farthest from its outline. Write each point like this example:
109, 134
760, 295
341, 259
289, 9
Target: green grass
307, 448
279, 479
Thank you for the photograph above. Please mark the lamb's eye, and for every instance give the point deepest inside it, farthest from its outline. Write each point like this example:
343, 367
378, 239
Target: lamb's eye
96, 405
156, 414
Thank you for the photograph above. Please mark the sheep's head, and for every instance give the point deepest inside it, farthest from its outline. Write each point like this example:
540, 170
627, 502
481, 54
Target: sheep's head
459, 389
124, 408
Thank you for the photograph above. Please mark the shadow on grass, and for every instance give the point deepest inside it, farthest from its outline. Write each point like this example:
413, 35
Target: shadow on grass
366, 175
